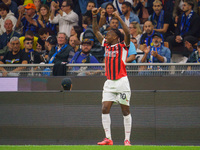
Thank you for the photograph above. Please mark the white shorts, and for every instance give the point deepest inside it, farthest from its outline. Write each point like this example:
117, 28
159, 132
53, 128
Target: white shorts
117, 91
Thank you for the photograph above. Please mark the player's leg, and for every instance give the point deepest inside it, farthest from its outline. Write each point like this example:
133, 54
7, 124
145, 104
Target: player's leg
127, 123
106, 122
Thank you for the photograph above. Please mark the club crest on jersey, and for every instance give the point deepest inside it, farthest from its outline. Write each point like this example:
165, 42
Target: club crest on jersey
111, 53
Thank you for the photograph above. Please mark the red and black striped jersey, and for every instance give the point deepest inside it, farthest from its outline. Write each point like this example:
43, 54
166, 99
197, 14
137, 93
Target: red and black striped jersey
115, 60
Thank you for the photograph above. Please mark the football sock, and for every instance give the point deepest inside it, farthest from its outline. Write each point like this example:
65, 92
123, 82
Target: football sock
127, 126
106, 121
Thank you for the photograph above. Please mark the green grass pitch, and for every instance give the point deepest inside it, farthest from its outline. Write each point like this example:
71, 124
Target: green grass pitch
92, 147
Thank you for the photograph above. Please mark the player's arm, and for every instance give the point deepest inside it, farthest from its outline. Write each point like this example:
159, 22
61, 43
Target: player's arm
125, 28
95, 25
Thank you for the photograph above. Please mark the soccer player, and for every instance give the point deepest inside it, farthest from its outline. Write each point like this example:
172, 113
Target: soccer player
116, 88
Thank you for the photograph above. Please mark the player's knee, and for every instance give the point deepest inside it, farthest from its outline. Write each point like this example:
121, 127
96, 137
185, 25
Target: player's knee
105, 109
125, 112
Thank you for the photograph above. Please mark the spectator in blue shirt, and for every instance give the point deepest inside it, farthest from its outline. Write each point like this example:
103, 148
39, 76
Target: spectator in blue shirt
29, 21
84, 56
6, 36
128, 16
156, 53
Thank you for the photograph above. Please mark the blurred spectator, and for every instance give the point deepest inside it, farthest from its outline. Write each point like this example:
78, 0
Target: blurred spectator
139, 52
149, 5
156, 53
74, 43
193, 58
29, 20
146, 38
97, 49
19, 2
27, 1
37, 4
118, 5
40, 48
131, 58
114, 24
6, 36
168, 6
16, 56
12, 6
66, 84
28, 34
84, 56
76, 31
86, 21
50, 42
90, 5
187, 30
33, 56
84, 5
43, 19
66, 17
135, 31
162, 20
178, 6
6, 14
128, 16
141, 10
106, 14
43, 33
62, 52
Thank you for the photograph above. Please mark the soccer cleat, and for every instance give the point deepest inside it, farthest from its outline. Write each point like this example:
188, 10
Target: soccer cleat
127, 143
106, 141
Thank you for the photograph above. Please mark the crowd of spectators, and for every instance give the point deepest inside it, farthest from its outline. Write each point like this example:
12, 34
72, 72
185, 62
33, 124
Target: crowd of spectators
52, 31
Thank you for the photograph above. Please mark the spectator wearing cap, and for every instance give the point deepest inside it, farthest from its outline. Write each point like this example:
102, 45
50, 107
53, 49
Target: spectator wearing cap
50, 42
66, 84
84, 56
156, 53
193, 58
146, 38
97, 50
28, 21
66, 17
12, 5
6, 14
6, 36
62, 52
